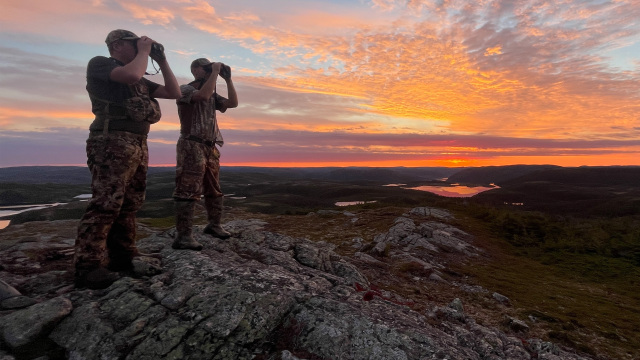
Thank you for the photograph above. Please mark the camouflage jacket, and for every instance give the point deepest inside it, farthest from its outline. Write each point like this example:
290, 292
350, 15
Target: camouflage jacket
199, 119
120, 106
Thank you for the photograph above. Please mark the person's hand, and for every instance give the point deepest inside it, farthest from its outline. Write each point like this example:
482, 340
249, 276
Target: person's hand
215, 67
157, 52
144, 45
225, 72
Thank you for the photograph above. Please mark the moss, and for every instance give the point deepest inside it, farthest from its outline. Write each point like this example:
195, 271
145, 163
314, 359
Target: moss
159, 223
414, 268
387, 250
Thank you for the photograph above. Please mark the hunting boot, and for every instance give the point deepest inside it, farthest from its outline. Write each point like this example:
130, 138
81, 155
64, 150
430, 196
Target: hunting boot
97, 278
214, 215
184, 222
123, 251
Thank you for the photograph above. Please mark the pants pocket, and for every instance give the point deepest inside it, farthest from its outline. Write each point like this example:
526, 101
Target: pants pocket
188, 185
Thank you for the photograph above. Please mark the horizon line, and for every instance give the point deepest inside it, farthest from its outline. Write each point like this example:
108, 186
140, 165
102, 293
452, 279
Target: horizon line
342, 166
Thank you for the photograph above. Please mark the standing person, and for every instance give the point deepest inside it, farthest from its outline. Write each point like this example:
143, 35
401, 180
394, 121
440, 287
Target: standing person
125, 105
198, 157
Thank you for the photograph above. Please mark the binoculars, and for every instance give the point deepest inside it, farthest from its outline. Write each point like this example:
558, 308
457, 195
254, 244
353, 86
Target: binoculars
157, 51
225, 70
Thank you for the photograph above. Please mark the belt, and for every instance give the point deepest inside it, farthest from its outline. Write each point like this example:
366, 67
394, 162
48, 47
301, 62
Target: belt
122, 125
209, 143
126, 134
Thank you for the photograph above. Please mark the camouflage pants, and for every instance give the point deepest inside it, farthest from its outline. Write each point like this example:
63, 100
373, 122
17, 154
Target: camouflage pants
197, 172
118, 163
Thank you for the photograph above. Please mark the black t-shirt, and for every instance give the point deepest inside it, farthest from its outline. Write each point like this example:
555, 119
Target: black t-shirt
100, 86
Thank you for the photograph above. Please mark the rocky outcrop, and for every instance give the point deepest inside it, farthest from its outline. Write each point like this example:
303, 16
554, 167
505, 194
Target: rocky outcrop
421, 237
257, 295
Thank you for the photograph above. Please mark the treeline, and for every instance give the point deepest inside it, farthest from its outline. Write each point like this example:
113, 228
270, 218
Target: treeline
538, 234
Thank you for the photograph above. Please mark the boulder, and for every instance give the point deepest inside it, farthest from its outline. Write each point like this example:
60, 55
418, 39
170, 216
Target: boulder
25, 326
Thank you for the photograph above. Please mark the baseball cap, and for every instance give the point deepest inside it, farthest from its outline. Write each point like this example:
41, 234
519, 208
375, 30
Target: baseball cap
120, 34
200, 62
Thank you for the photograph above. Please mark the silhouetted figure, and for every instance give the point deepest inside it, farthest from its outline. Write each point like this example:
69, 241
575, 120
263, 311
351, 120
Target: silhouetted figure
198, 157
125, 105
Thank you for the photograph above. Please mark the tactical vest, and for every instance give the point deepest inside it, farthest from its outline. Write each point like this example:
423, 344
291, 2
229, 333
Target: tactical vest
133, 115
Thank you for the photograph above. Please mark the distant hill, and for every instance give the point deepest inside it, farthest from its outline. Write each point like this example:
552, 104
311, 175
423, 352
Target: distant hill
81, 175
63, 183
46, 174
349, 174
495, 174
73, 175
590, 191
387, 175
599, 176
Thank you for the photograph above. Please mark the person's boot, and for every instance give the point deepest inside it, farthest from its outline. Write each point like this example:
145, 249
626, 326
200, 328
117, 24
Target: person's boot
184, 223
97, 278
214, 215
124, 259
136, 263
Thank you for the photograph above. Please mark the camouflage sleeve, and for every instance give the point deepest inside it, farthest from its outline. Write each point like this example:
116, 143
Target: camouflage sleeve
187, 92
221, 103
100, 67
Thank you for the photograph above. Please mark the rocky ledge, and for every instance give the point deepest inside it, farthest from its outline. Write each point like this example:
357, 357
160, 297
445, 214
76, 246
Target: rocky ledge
258, 295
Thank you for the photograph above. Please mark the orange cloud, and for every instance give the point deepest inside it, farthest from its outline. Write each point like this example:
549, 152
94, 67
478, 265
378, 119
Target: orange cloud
431, 76
149, 15
525, 70
7, 113
40, 120
496, 50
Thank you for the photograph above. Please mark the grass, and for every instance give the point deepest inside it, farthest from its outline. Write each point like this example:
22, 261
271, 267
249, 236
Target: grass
588, 301
592, 317
164, 223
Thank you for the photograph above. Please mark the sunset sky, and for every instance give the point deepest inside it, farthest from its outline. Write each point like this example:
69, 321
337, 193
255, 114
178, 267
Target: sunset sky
346, 82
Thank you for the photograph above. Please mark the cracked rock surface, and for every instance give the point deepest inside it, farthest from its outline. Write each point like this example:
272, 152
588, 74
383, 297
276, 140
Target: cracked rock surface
257, 295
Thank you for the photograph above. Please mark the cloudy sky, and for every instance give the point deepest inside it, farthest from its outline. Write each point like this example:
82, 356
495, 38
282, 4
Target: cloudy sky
346, 82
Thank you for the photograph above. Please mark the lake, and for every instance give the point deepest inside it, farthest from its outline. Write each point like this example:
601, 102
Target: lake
453, 190
17, 209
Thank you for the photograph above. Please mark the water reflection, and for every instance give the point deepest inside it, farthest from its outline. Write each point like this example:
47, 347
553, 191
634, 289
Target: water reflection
454, 190
6, 211
349, 203
449, 190
17, 209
